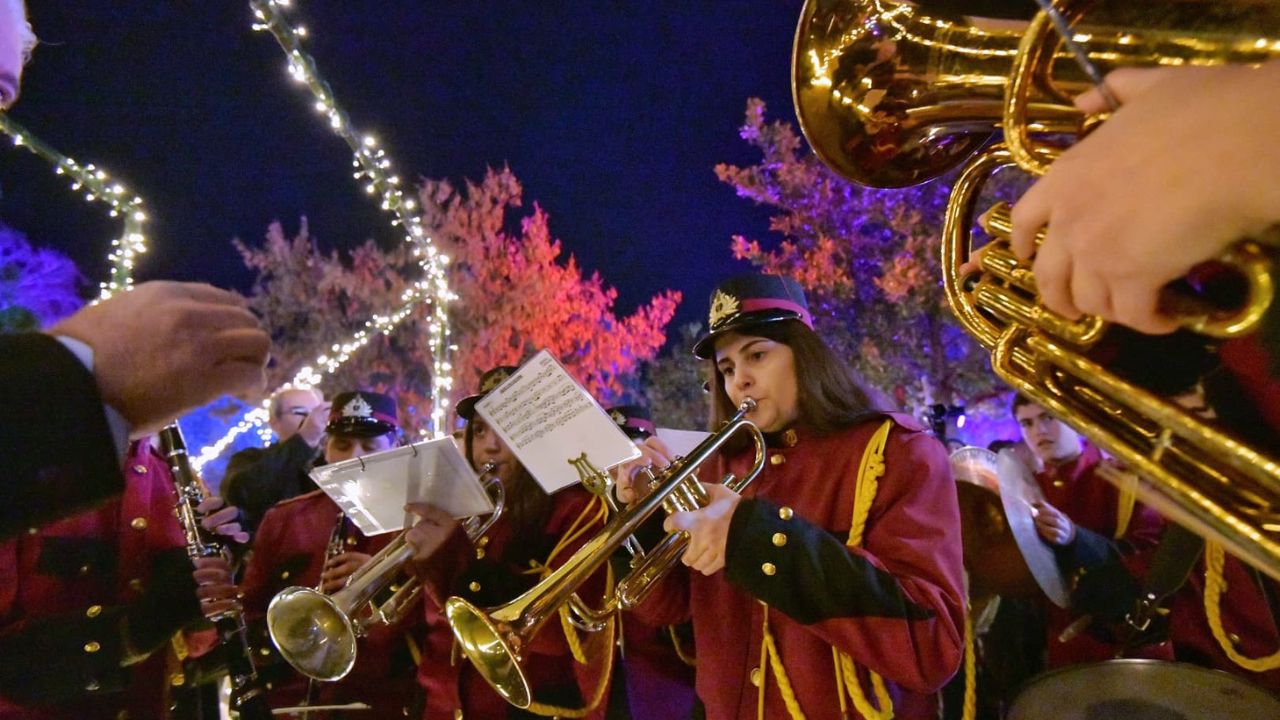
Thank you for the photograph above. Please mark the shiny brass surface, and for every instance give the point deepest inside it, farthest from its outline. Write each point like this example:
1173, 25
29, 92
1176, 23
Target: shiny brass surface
888, 96
494, 639
318, 634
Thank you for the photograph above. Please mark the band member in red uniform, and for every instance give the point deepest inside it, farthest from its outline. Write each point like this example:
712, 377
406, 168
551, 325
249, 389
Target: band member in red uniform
657, 669
833, 586
536, 533
290, 549
1087, 520
89, 604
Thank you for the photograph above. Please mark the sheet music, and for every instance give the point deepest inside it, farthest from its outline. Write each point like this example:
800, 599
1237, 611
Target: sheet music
373, 490
548, 419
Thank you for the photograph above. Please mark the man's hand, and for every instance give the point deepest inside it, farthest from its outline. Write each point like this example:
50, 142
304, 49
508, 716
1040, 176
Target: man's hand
1186, 167
1054, 526
430, 534
708, 529
312, 427
218, 517
339, 569
166, 347
214, 586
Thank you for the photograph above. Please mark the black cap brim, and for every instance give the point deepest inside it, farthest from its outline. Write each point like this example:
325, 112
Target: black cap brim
467, 406
706, 347
359, 427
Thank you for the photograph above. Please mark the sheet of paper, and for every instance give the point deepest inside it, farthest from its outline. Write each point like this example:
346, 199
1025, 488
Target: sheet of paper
373, 490
681, 442
549, 421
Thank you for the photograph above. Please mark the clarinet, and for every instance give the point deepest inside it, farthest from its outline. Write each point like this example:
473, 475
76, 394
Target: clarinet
248, 697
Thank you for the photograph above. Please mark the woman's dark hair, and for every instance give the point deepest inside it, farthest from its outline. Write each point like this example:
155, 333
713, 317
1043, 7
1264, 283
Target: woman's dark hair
830, 396
528, 506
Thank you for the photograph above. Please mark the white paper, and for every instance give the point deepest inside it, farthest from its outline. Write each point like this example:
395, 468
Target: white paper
549, 420
681, 442
373, 490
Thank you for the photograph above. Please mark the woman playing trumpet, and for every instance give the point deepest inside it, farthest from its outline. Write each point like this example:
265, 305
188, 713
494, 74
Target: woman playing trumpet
833, 586
536, 532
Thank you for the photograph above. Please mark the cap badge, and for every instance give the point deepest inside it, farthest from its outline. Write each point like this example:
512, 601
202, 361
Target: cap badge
494, 379
357, 408
618, 417
723, 306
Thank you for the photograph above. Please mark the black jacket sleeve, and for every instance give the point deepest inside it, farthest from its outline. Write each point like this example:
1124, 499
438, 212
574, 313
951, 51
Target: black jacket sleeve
258, 478
59, 454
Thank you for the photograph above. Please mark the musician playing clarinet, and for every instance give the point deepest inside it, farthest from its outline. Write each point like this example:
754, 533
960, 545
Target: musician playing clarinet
94, 606
295, 545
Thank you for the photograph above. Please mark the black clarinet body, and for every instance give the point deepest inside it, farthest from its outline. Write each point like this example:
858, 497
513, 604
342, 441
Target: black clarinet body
248, 696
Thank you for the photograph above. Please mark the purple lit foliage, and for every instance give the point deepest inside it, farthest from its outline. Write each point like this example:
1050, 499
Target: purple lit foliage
38, 286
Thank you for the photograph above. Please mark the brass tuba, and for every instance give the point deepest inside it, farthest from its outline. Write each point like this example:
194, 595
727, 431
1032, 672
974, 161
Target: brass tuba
889, 96
318, 633
494, 639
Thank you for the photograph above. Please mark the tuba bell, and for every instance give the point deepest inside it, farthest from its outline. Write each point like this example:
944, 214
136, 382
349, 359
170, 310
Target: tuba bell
889, 96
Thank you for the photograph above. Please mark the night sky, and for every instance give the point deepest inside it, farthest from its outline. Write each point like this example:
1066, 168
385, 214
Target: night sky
613, 115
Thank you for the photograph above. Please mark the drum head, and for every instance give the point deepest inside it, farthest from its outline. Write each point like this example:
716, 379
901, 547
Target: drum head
1142, 690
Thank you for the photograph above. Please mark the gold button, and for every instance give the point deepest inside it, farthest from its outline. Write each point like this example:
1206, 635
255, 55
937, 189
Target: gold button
135, 585
284, 575
479, 553
785, 513
92, 647
777, 459
768, 569
394, 587
789, 438
177, 679
32, 531
92, 686
1234, 638
122, 715
264, 651
755, 676
482, 541
139, 523
457, 715
84, 569
474, 586
140, 469
351, 541
93, 611
779, 539
1058, 483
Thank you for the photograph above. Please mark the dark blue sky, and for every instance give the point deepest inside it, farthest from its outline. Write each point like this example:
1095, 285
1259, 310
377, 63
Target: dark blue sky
612, 114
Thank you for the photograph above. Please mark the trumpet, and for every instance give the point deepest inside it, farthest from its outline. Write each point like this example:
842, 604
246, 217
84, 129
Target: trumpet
494, 639
318, 634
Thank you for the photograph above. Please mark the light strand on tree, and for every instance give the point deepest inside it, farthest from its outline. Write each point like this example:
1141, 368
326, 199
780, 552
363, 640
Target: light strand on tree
98, 186
374, 168
312, 374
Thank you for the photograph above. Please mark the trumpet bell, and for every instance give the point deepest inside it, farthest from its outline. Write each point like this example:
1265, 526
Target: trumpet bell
488, 643
313, 633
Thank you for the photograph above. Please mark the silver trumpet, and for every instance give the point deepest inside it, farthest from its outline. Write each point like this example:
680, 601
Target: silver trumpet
317, 633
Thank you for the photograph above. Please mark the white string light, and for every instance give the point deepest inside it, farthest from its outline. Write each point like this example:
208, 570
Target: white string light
374, 169
98, 186
310, 375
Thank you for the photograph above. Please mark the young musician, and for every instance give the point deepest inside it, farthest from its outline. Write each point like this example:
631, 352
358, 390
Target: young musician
292, 547
833, 585
568, 671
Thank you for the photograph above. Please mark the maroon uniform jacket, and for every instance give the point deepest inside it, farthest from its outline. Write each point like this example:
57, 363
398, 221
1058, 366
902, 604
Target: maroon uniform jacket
66, 588
1246, 617
895, 605
1092, 504
497, 569
289, 550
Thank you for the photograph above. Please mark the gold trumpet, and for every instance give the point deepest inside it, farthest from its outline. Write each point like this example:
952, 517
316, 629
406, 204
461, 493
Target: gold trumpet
888, 96
494, 639
318, 633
